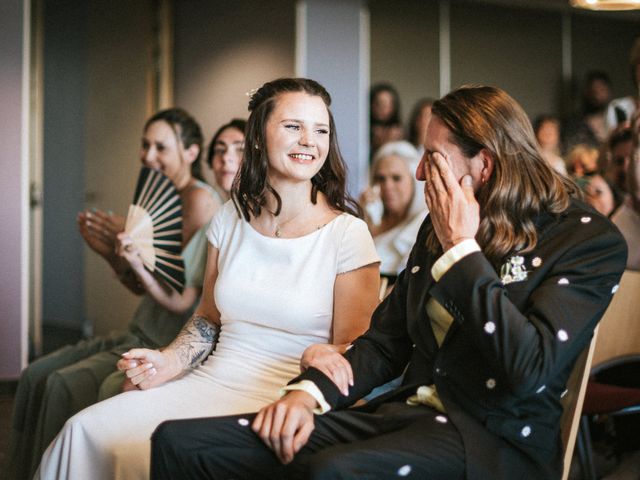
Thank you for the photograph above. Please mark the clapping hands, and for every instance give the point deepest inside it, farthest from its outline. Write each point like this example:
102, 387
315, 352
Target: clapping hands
99, 230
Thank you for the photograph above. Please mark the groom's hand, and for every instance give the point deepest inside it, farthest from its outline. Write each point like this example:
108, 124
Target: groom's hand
285, 425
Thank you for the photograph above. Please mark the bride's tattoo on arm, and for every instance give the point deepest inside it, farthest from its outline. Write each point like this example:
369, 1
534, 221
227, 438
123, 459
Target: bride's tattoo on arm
195, 341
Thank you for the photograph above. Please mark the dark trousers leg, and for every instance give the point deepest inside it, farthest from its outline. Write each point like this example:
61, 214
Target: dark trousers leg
211, 448
395, 441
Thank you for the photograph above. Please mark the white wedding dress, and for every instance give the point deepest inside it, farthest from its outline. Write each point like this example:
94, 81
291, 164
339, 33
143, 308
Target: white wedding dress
275, 297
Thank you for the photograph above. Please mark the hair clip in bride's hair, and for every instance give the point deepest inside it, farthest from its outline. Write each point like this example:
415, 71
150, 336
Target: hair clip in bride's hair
251, 93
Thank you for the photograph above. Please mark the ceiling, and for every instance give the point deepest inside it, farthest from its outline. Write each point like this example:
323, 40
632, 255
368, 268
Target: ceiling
560, 5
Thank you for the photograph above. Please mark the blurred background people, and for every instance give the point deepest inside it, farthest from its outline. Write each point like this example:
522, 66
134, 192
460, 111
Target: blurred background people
582, 160
619, 150
627, 217
418, 121
547, 130
224, 155
621, 110
597, 193
402, 205
385, 119
583, 163
589, 126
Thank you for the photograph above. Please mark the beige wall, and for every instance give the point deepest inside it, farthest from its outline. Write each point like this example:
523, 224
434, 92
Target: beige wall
519, 49
604, 43
118, 56
225, 49
521, 53
404, 48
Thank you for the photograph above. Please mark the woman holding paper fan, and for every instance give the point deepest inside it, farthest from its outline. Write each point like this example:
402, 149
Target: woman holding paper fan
290, 271
56, 386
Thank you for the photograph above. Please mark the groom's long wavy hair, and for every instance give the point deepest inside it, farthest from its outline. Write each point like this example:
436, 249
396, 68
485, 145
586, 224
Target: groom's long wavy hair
522, 184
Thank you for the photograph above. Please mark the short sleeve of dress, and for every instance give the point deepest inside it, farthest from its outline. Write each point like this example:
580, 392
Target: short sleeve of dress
357, 248
215, 230
195, 259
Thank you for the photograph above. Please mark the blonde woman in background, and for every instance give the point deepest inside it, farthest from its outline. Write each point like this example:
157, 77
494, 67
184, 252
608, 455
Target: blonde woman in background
398, 196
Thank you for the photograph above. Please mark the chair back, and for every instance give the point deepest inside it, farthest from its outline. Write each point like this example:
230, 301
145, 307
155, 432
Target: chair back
620, 325
573, 400
384, 284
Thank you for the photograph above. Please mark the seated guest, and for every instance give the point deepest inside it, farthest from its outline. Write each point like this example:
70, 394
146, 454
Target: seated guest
547, 131
621, 111
627, 216
418, 122
289, 267
582, 160
385, 117
589, 125
507, 280
617, 160
58, 385
597, 193
225, 155
403, 208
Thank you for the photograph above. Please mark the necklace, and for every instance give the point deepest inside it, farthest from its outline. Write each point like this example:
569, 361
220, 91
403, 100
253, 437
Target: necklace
278, 226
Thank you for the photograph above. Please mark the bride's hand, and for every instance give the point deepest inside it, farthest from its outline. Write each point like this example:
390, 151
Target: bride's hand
147, 368
326, 358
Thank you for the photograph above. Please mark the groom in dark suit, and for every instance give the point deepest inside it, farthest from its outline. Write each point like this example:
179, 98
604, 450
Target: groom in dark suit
503, 289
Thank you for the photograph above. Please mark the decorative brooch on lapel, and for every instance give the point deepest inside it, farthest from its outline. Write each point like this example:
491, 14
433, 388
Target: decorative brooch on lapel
513, 271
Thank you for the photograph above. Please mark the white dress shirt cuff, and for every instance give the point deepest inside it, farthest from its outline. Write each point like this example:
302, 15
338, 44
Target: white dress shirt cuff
453, 255
311, 388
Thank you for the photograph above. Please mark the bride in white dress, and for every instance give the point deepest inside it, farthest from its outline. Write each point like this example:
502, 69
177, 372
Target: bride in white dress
289, 267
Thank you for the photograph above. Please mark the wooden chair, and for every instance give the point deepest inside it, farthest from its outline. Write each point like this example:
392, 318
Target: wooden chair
384, 283
573, 400
620, 325
618, 343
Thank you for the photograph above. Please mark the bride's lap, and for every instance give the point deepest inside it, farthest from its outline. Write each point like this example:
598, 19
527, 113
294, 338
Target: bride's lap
111, 439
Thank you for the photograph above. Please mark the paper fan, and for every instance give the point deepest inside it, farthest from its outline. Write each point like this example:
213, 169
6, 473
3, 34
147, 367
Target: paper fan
154, 222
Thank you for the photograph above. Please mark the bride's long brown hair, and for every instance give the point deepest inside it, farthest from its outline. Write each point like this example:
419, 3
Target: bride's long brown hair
250, 187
